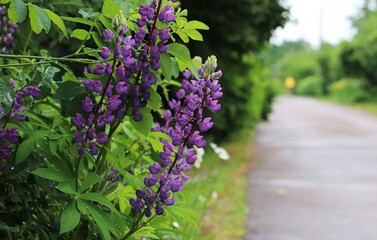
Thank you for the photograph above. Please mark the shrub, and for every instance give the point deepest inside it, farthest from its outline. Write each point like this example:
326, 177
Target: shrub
310, 86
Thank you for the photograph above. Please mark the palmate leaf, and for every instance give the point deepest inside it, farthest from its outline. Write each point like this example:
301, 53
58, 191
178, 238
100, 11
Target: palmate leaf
101, 218
27, 146
185, 214
70, 218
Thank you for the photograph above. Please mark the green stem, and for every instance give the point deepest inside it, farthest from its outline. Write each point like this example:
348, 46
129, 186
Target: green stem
25, 64
88, 36
65, 59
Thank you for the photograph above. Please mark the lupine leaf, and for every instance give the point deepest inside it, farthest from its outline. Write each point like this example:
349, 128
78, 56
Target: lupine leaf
186, 214
67, 90
5, 88
89, 181
50, 174
144, 126
67, 187
70, 218
100, 217
27, 146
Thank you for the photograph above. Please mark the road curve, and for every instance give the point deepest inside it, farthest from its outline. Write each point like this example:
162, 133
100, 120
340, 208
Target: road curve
316, 174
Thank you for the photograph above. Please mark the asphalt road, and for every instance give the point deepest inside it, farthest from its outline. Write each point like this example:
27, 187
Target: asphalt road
316, 174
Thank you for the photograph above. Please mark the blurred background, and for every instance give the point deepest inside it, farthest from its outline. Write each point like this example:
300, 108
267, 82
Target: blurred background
319, 48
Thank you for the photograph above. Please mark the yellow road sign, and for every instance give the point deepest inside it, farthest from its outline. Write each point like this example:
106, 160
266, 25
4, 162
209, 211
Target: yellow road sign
290, 83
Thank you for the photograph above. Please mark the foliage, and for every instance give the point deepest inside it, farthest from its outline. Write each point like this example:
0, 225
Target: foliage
310, 86
358, 56
75, 147
349, 91
238, 28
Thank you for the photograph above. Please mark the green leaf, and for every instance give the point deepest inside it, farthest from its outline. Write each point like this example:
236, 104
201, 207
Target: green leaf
183, 36
194, 34
89, 181
100, 199
80, 34
5, 1
166, 66
50, 174
17, 11
58, 21
5, 227
35, 118
67, 90
41, 16
70, 218
156, 145
194, 70
103, 221
57, 121
134, 181
27, 146
196, 25
144, 126
98, 39
181, 21
186, 214
5, 88
78, 20
86, 13
154, 102
110, 9
181, 53
34, 19
67, 187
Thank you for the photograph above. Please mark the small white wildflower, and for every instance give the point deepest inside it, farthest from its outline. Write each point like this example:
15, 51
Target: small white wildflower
199, 154
214, 195
221, 152
201, 198
175, 225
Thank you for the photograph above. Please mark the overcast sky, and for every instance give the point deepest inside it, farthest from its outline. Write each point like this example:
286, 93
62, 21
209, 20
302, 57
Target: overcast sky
306, 16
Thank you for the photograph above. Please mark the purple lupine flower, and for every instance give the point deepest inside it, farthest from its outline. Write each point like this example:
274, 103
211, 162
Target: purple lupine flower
185, 113
136, 57
9, 136
105, 53
108, 35
7, 29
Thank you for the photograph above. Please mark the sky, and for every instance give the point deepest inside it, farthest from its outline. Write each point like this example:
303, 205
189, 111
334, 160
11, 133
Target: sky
306, 15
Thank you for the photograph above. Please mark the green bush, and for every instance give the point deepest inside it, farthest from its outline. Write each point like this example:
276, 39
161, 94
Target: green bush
310, 86
349, 91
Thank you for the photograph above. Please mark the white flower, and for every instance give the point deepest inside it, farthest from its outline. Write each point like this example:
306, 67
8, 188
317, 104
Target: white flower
221, 152
199, 154
214, 195
175, 225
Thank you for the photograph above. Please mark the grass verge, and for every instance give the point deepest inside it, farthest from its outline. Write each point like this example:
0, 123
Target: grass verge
217, 192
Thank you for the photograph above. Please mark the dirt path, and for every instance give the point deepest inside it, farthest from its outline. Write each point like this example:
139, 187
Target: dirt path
316, 177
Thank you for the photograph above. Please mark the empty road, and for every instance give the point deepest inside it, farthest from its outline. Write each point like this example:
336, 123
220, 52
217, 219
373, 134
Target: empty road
316, 174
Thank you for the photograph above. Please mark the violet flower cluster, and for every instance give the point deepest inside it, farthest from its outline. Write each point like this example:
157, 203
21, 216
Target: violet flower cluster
132, 63
9, 136
184, 115
6, 30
